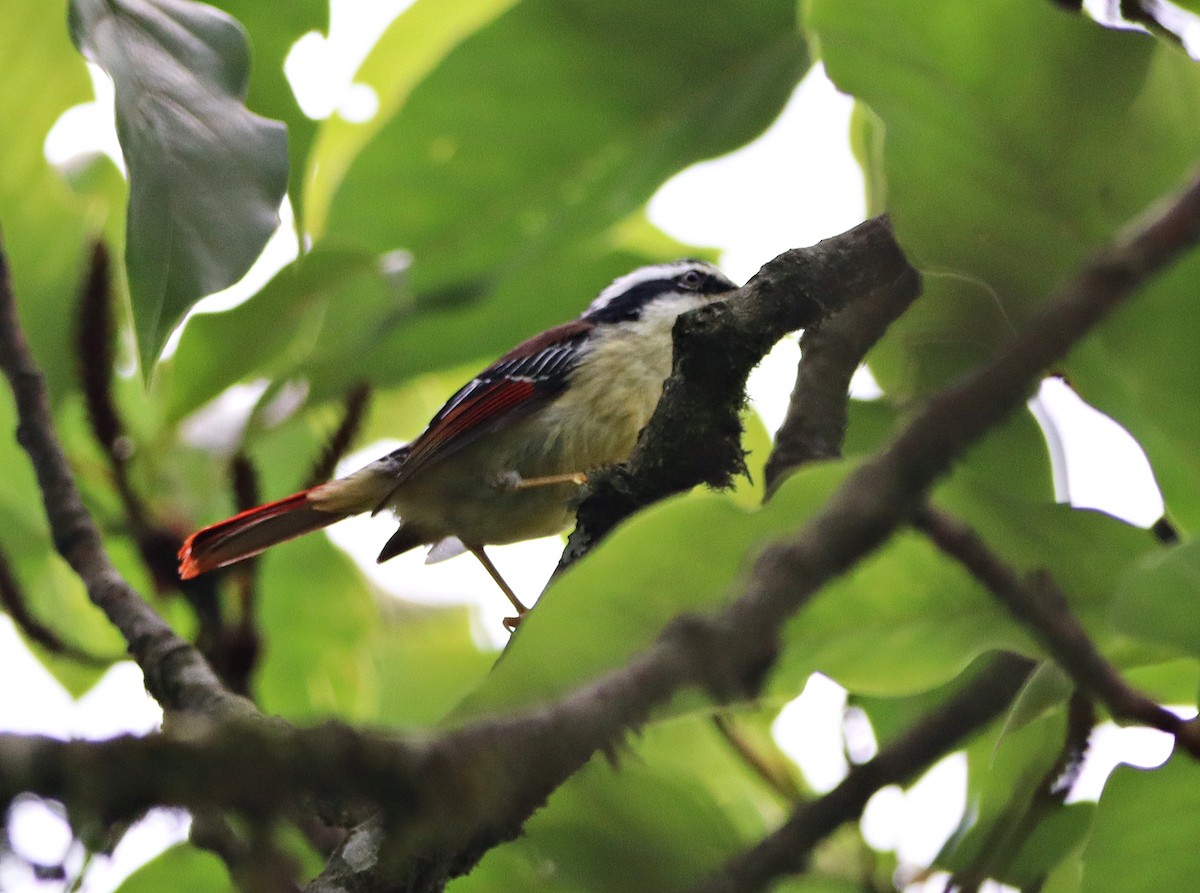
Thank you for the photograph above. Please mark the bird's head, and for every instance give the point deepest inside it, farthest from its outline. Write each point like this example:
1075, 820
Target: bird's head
672, 287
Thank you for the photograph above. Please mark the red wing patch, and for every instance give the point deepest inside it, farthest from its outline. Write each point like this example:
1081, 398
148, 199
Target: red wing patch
530, 374
491, 402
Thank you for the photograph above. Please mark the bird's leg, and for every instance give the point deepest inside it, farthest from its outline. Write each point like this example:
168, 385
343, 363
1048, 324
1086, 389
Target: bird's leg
510, 623
516, 482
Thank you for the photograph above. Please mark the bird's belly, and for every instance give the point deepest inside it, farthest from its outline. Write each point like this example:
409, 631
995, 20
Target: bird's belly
471, 495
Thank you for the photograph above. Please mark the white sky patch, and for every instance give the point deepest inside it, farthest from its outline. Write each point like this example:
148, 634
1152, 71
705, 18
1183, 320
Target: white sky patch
1105, 468
794, 185
1110, 745
917, 822
321, 69
809, 731
88, 127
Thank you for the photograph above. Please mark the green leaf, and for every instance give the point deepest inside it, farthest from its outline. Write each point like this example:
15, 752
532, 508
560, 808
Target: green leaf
182, 868
277, 329
907, 599
1144, 812
426, 661
613, 604
206, 175
1003, 112
1005, 775
44, 223
1156, 600
656, 820
413, 45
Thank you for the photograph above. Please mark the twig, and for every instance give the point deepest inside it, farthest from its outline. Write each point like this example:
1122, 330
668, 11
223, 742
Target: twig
774, 775
257, 864
174, 671
830, 353
787, 850
357, 399
1039, 605
94, 338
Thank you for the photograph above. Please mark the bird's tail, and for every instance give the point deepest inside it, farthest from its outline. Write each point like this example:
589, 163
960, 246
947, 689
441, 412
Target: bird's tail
256, 529
252, 531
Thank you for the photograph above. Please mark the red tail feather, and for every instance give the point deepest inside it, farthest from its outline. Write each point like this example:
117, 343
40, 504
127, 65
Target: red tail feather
250, 532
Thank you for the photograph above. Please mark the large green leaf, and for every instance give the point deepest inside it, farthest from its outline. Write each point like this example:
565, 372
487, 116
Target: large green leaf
1011, 139
659, 818
426, 660
1009, 837
1144, 836
663, 561
206, 175
411, 47
279, 328
905, 620
506, 170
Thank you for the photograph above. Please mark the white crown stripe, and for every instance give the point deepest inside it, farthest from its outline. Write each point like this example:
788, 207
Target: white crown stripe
622, 284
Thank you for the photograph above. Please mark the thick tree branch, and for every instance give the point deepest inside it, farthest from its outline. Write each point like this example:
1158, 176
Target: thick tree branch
175, 673
1039, 605
788, 849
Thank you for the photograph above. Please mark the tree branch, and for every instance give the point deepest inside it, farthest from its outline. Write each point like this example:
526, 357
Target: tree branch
175, 673
830, 353
1039, 605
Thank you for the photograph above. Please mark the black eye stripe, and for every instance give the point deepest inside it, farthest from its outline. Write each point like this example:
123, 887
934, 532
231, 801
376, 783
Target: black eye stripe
628, 305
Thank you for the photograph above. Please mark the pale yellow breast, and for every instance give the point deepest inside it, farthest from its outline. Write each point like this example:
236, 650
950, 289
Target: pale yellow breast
596, 421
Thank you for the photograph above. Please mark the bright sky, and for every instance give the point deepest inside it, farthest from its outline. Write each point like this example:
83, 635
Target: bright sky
793, 186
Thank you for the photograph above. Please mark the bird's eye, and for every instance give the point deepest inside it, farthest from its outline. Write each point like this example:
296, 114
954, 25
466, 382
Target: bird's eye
692, 279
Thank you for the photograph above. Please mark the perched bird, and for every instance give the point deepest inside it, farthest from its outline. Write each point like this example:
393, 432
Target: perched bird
503, 459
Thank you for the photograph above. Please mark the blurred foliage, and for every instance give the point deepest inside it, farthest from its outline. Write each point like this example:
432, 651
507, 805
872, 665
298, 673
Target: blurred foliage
501, 182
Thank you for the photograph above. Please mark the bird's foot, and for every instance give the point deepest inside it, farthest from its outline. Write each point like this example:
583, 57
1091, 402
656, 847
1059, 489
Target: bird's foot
514, 481
511, 623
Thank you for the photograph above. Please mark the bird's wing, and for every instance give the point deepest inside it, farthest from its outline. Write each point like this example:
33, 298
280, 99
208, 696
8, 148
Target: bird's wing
525, 378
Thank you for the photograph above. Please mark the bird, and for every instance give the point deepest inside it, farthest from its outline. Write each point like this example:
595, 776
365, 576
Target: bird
503, 460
